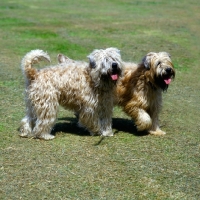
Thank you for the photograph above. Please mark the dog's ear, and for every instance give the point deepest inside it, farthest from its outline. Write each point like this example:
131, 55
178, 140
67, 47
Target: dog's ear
92, 56
147, 60
91, 61
146, 63
62, 59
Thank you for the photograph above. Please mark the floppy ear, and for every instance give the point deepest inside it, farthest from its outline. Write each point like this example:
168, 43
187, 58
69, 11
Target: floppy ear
147, 60
91, 61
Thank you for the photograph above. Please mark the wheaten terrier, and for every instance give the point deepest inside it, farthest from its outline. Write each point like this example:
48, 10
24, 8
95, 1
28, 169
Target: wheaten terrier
139, 91
85, 88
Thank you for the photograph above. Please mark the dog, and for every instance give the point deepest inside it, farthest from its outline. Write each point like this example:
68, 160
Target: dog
139, 91
83, 87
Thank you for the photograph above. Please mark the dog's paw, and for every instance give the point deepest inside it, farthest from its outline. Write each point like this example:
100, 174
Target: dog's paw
107, 133
157, 132
46, 136
23, 134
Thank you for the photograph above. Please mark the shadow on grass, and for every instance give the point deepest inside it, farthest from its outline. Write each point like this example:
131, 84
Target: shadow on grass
127, 126
69, 125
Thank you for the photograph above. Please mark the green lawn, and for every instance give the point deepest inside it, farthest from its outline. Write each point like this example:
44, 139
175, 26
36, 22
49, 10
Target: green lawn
75, 165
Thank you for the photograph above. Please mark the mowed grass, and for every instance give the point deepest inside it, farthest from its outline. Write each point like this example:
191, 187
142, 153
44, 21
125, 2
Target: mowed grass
75, 165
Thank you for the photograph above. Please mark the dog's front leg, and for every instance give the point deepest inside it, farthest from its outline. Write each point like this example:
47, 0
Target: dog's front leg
105, 116
89, 121
142, 119
155, 130
106, 126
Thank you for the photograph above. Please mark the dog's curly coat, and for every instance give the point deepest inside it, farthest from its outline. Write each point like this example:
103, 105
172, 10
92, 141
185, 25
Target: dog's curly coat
139, 91
85, 88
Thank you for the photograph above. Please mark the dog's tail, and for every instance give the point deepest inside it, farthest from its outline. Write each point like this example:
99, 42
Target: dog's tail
31, 58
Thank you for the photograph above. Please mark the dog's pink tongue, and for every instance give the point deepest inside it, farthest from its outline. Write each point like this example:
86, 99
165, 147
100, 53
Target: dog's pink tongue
168, 81
114, 77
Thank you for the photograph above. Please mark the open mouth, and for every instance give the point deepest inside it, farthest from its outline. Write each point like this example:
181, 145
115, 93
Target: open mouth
114, 72
169, 74
167, 79
114, 77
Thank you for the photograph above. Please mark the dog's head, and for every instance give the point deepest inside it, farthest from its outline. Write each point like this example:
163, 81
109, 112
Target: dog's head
105, 64
160, 67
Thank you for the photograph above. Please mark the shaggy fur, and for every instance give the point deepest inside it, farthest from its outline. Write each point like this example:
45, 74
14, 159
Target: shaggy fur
85, 88
139, 91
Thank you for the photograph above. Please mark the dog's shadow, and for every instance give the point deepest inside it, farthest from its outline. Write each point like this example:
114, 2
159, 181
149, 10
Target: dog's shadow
69, 125
127, 126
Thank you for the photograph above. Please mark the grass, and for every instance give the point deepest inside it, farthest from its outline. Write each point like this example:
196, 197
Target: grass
75, 165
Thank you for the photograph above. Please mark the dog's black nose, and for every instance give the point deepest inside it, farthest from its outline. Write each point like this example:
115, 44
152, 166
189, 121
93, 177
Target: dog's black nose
168, 70
114, 65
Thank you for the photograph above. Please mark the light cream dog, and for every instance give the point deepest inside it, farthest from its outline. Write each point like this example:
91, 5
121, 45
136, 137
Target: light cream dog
85, 88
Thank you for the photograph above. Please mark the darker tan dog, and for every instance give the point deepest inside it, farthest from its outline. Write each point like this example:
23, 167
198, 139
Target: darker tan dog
139, 91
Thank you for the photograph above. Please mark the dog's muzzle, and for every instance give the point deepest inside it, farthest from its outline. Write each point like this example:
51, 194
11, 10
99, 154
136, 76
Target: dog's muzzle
115, 71
168, 74
168, 70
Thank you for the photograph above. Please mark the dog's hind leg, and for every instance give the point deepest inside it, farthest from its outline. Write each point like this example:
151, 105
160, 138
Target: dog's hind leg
43, 128
46, 117
28, 122
25, 128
